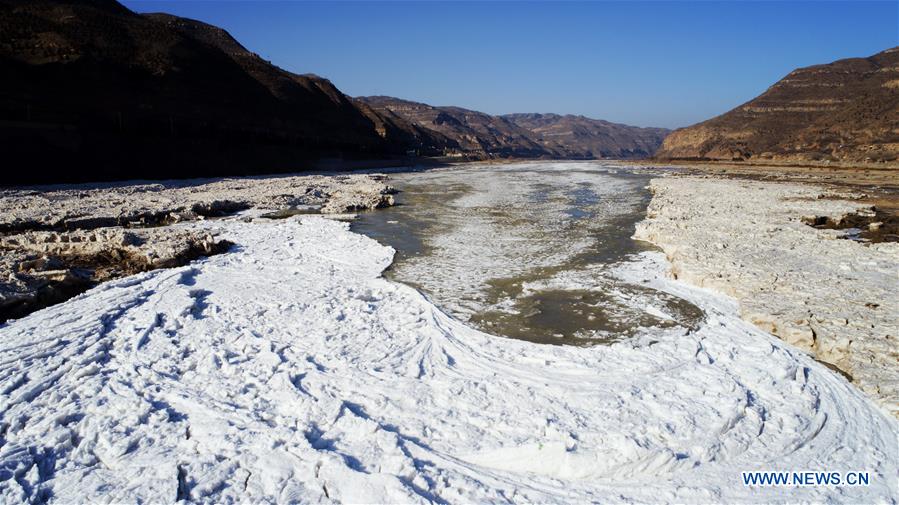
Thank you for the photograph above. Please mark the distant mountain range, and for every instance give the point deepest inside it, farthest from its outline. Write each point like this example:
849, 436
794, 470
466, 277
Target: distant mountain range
91, 90
581, 137
457, 130
523, 135
846, 111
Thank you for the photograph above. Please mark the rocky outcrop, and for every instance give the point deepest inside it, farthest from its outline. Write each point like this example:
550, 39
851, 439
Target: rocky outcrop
846, 111
832, 297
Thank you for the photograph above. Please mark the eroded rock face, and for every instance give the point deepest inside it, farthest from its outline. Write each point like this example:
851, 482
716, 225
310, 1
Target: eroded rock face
835, 298
845, 112
56, 243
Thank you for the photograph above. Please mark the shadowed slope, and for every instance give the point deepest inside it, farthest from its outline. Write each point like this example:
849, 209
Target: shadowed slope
92, 90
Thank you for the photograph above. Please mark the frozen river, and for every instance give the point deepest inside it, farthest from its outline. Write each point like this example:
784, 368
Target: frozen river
290, 370
525, 250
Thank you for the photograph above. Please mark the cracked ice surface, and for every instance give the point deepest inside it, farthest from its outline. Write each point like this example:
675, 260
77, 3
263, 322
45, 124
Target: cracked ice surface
513, 219
289, 370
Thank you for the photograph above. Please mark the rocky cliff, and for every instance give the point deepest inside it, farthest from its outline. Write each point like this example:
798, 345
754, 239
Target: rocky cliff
846, 111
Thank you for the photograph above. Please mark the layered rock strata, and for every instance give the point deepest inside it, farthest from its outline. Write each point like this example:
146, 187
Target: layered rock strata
845, 112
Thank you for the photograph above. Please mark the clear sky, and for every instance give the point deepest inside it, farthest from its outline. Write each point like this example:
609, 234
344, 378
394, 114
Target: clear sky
644, 63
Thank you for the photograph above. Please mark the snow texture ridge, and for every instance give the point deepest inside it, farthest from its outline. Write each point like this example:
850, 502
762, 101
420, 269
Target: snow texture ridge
289, 371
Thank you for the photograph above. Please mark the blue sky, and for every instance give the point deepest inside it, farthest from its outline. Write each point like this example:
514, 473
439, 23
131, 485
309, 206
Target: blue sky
660, 63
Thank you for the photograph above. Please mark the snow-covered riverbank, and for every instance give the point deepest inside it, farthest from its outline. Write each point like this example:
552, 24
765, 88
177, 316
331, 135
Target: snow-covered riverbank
56, 241
836, 298
289, 370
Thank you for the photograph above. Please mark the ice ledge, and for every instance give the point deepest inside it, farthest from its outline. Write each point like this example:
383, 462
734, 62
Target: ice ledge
836, 299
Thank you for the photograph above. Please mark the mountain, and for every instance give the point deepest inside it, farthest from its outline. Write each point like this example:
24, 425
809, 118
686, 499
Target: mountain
475, 133
92, 90
581, 137
466, 131
845, 111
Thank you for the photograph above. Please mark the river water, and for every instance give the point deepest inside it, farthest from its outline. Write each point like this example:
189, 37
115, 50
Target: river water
527, 250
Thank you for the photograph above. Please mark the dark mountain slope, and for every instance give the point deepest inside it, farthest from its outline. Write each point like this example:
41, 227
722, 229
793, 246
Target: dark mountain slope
846, 111
319, 101
91, 90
